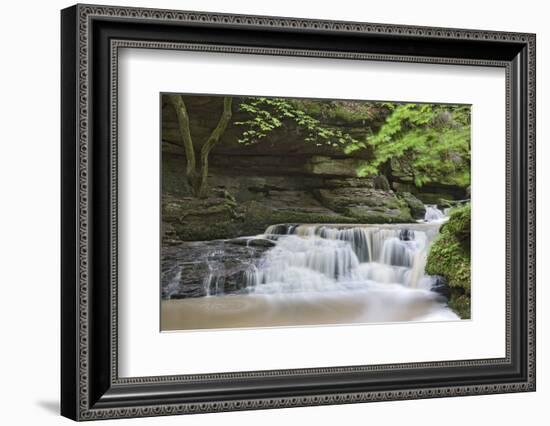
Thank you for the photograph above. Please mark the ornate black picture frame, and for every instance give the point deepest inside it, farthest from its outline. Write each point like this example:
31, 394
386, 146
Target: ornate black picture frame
91, 37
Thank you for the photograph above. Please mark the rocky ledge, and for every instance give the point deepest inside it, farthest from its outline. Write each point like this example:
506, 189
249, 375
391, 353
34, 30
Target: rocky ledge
240, 206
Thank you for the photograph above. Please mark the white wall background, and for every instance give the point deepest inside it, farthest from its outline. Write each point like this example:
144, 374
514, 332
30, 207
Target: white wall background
29, 214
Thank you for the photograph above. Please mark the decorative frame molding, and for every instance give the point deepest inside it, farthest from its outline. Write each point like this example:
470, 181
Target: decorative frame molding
91, 388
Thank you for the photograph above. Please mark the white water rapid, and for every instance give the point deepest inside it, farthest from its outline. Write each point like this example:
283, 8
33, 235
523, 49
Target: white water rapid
326, 274
433, 214
322, 258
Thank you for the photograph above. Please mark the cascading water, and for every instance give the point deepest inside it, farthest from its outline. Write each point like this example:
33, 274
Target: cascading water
433, 214
320, 274
334, 257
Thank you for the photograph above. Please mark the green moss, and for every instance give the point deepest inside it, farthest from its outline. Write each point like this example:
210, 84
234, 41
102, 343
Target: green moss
460, 305
459, 225
449, 257
376, 215
258, 215
416, 206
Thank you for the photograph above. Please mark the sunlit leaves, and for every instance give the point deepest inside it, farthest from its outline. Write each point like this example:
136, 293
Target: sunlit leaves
268, 114
421, 143
424, 143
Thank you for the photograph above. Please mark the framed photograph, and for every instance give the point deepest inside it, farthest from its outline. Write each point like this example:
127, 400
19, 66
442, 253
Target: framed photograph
263, 212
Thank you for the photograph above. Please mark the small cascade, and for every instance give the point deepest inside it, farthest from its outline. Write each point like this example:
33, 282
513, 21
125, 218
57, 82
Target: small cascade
280, 229
173, 282
302, 264
214, 281
433, 214
313, 274
396, 252
359, 239
333, 257
214, 284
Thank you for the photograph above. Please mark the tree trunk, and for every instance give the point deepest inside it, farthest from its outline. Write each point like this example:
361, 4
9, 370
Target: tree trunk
183, 122
198, 179
209, 144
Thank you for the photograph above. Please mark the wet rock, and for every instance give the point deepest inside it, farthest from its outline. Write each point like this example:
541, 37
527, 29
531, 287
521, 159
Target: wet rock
406, 235
251, 242
190, 269
441, 287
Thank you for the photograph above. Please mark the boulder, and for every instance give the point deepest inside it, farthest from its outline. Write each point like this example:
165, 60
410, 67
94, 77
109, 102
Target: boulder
417, 208
191, 268
194, 219
441, 287
432, 192
365, 204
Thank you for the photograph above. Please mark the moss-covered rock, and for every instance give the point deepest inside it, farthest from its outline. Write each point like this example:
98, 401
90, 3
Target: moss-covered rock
322, 165
381, 182
366, 205
332, 183
418, 211
194, 219
258, 216
460, 304
450, 257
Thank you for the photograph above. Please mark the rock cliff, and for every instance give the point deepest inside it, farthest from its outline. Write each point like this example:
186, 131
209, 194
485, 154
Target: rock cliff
281, 179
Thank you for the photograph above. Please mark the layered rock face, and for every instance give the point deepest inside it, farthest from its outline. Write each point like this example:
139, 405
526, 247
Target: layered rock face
281, 179
242, 202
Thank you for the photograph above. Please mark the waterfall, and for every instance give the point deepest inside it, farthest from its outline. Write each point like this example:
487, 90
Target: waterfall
214, 281
280, 229
434, 214
173, 281
336, 257
310, 274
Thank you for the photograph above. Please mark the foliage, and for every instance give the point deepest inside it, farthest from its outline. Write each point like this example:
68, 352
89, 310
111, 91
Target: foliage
268, 114
420, 143
450, 253
341, 112
459, 225
460, 304
423, 143
449, 257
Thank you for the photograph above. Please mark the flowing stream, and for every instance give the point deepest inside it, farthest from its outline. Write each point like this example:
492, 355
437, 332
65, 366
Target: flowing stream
306, 274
